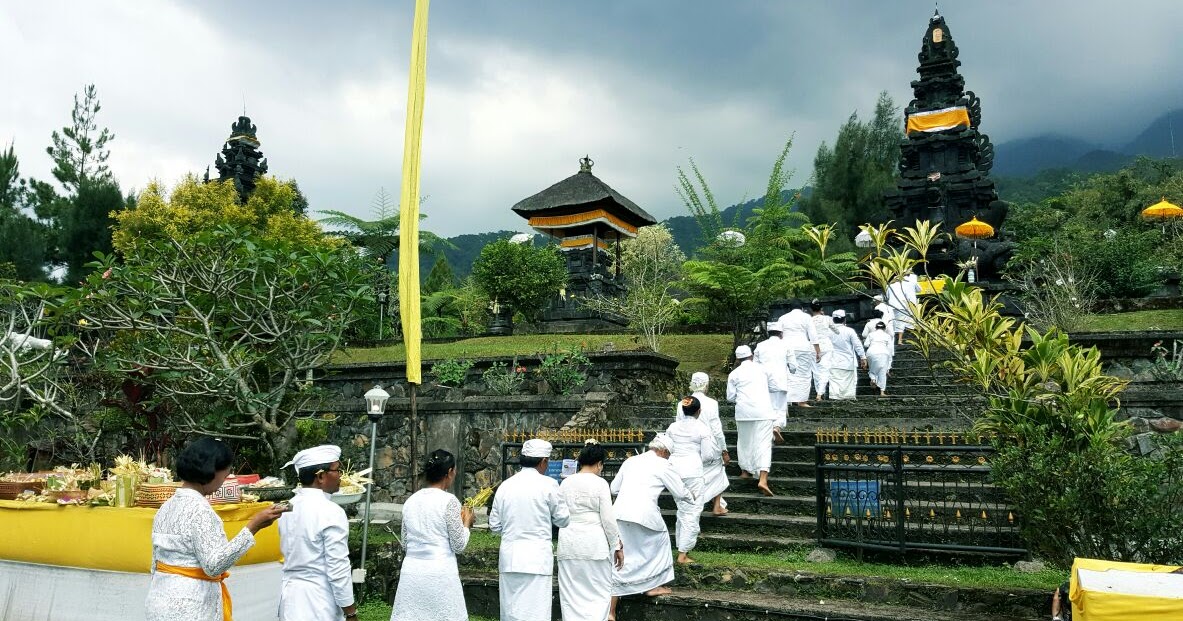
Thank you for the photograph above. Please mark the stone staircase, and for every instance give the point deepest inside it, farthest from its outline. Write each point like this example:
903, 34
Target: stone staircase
921, 397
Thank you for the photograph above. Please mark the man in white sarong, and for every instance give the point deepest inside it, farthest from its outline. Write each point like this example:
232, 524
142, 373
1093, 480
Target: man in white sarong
714, 473
848, 356
747, 388
773, 355
822, 326
803, 352
526, 507
314, 540
901, 294
648, 564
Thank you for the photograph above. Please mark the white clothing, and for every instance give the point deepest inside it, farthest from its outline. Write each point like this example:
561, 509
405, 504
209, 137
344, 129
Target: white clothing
433, 534
888, 314
187, 532
880, 351
524, 597
590, 534
754, 445
525, 508
585, 589
693, 445
900, 295
747, 388
714, 476
797, 330
848, 350
648, 562
843, 383
314, 540
824, 326
637, 485
801, 377
773, 355
585, 548
689, 511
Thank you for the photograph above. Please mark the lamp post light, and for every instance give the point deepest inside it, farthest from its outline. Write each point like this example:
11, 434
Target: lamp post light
381, 319
375, 407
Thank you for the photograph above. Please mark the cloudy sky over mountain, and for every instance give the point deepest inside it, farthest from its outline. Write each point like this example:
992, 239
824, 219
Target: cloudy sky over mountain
518, 90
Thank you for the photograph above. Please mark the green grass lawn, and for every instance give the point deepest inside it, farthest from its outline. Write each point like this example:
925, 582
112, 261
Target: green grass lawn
694, 352
1171, 319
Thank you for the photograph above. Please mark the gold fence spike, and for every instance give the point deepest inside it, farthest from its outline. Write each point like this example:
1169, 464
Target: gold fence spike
1010, 517
908, 512
868, 516
958, 514
932, 514
984, 517
941, 438
953, 438
847, 509
928, 438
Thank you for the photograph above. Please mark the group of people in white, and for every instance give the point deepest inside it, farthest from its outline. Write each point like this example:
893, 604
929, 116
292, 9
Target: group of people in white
810, 351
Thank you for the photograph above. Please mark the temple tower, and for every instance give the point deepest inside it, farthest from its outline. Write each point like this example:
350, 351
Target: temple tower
588, 219
240, 159
945, 160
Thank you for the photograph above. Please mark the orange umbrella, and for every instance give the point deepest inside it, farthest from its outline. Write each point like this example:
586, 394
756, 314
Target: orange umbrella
974, 229
1162, 210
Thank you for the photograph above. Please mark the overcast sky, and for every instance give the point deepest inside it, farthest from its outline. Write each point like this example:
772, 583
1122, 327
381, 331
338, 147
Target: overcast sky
518, 90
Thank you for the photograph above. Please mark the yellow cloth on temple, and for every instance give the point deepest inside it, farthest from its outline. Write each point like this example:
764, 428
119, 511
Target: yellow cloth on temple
1112, 601
931, 286
408, 257
938, 120
108, 538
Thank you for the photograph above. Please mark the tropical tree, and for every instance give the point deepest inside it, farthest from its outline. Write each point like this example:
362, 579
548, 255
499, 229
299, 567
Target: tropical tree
520, 277
651, 265
226, 325
378, 238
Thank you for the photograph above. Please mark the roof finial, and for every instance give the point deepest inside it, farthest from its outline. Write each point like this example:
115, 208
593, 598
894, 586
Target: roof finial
585, 164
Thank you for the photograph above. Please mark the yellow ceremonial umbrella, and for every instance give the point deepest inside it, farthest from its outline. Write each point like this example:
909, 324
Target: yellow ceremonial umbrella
1163, 210
974, 229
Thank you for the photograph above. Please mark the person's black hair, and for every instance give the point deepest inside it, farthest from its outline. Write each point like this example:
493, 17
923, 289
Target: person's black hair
877, 313
200, 461
773, 332
308, 474
796, 305
439, 462
815, 306
591, 454
880, 326
530, 462
839, 320
691, 406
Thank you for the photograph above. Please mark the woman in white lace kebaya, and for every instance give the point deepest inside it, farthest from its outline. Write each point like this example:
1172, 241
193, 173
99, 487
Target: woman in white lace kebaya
190, 553
590, 543
435, 530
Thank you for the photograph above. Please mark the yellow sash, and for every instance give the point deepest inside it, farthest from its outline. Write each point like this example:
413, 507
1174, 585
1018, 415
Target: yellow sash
198, 573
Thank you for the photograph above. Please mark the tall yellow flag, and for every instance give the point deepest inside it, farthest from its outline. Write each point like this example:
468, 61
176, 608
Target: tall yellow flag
408, 255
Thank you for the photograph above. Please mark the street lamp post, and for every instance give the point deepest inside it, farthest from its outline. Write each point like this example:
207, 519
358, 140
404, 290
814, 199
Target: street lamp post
375, 407
381, 315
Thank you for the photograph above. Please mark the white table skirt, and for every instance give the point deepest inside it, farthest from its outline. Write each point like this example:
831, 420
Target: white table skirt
30, 592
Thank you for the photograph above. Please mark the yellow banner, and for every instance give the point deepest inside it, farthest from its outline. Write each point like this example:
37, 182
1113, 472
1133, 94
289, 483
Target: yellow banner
938, 120
408, 255
1115, 598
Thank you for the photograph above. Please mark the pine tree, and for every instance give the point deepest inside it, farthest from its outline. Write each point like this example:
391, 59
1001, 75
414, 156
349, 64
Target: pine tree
79, 152
440, 278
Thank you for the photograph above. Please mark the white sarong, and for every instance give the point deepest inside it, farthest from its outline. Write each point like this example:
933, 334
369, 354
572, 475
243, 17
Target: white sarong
877, 367
754, 445
714, 479
585, 589
780, 406
648, 561
821, 373
689, 512
842, 383
525, 597
429, 588
800, 375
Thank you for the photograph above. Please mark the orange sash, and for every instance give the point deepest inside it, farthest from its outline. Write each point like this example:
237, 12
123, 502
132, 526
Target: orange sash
198, 573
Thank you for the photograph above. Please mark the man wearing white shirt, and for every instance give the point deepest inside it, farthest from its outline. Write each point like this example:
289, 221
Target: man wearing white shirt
847, 357
773, 355
526, 507
648, 563
803, 350
314, 539
747, 388
901, 295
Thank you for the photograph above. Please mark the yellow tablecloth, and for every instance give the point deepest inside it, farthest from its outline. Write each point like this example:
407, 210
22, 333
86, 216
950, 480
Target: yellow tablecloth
107, 538
1112, 605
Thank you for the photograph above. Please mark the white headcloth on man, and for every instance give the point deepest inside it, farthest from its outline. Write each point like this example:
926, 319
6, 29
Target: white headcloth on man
315, 456
536, 448
699, 381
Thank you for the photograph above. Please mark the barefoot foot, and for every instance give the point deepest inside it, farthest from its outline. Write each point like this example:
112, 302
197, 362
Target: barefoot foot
764, 489
658, 591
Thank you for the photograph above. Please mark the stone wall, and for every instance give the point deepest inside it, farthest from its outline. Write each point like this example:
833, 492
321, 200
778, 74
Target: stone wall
472, 425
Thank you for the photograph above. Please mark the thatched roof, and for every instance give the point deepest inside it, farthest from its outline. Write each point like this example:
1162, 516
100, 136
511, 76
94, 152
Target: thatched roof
582, 189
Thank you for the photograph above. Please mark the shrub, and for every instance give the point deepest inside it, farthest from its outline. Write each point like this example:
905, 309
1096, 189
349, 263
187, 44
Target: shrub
504, 379
563, 371
451, 373
1168, 366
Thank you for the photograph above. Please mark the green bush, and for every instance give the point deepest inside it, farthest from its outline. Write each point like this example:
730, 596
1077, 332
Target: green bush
451, 373
563, 371
504, 379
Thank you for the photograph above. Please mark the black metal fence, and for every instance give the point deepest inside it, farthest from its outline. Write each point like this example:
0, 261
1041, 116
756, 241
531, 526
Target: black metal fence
616, 453
901, 498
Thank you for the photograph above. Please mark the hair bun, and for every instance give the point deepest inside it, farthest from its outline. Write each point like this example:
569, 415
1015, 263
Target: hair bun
687, 401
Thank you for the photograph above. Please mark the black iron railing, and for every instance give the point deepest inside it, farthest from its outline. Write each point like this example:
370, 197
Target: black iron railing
901, 498
616, 453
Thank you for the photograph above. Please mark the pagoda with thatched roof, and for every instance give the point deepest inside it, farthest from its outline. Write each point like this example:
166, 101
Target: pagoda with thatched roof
589, 219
